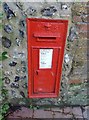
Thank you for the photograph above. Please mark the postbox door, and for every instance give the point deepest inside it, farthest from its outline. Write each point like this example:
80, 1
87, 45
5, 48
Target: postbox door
44, 63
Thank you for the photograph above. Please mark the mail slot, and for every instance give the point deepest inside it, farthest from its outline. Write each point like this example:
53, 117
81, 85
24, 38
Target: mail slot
46, 43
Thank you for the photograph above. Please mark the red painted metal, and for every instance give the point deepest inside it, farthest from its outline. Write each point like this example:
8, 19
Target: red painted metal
48, 36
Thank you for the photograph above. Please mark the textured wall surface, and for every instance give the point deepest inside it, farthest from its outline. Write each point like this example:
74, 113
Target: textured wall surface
14, 50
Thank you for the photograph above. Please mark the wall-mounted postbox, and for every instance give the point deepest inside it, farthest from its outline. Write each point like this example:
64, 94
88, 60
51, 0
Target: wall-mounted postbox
46, 42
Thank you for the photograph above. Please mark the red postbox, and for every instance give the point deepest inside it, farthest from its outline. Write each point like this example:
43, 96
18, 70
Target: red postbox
46, 42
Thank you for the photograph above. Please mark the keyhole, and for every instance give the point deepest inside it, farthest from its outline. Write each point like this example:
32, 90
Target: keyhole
36, 72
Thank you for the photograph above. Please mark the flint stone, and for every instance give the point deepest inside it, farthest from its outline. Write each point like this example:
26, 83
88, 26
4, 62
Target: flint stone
10, 13
64, 6
17, 78
23, 63
19, 5
21, 33
7, 80
66, 58
6, 42
72, 34
5, 7
22, 94
18, 41
12, 64
23, 69
49, 11
22, 23
13, 93
30, 11
14, 85
8, 28
25, 85
23, 77
67, 66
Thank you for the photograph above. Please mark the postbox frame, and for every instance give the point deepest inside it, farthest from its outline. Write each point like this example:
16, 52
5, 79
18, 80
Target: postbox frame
60, 59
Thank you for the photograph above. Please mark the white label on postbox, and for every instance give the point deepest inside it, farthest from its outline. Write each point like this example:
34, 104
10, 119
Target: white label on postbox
45, 60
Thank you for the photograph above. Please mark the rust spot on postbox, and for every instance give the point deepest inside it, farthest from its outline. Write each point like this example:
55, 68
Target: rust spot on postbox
46, 43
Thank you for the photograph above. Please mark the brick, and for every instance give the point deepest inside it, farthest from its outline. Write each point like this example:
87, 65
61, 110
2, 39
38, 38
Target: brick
85, 115
77, 111
84, 35
87, 8
79, 8
77, 18
57, 110
78, 117
61, 115
75, 81
58, 115
86, 112
47, 109
68, 116
23, 113
85, 18
83, 27
13, 118
42, 114
88, 43
80, 56
88, 56
82, 42
68, 110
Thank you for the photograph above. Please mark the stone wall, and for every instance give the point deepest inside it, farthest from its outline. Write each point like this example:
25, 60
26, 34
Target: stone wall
14, 50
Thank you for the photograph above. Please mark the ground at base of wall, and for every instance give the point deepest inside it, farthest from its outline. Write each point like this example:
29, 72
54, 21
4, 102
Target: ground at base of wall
73, 113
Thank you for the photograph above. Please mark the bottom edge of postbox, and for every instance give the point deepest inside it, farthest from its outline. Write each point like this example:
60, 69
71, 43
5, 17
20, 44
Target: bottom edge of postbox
43, 96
